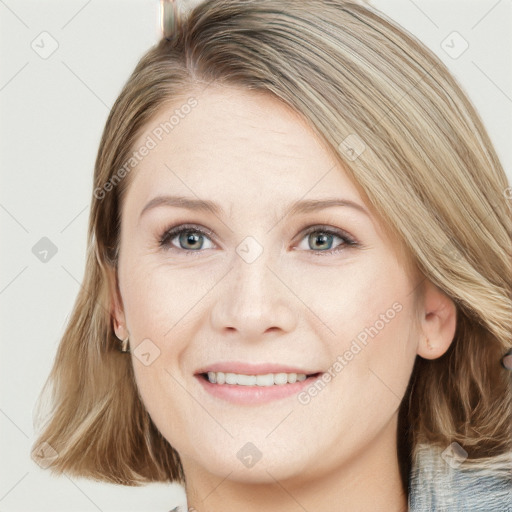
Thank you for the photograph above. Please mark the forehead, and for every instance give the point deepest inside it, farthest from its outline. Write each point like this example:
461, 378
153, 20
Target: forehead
238, 144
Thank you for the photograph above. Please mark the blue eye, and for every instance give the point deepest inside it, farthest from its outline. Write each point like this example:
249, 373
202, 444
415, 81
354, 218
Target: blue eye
189, 238
192, 239
320, 240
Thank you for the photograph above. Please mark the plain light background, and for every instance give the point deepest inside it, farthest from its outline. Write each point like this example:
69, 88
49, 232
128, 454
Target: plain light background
53, 110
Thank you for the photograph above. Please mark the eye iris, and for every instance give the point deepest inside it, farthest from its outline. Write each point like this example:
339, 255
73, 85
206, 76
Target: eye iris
190, 237
323, 239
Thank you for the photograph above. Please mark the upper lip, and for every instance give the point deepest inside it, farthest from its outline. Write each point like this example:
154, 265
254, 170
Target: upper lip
252, 369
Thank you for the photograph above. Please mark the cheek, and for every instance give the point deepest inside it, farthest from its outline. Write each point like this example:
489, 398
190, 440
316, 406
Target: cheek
161, 307
366, 315
371, 353
351, 296
158, 301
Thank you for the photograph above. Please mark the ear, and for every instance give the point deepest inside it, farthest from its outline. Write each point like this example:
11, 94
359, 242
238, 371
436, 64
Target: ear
438, 320
116, 305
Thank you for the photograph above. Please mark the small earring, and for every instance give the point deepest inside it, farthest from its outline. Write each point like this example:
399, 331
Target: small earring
506, 360
124, 346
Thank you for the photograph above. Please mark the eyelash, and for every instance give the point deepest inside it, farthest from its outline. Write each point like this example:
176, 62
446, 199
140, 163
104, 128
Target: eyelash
169, 234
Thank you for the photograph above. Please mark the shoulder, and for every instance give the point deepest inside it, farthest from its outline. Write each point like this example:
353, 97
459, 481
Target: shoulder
445, 481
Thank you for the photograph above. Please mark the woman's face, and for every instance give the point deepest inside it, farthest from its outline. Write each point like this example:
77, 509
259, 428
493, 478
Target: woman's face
266, 281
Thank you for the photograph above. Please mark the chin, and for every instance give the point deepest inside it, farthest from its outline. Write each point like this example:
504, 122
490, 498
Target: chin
245, 461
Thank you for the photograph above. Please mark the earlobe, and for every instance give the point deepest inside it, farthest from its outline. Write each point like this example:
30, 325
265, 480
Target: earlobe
438, 322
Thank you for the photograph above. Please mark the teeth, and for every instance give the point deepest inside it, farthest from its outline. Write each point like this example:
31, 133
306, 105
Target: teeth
269, 379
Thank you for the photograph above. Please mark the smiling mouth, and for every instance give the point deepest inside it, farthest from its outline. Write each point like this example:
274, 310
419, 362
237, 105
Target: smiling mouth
264, 380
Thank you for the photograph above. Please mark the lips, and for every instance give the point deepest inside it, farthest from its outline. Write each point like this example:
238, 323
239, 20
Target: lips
250, 395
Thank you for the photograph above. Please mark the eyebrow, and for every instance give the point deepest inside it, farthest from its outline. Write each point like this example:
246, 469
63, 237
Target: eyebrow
298, 207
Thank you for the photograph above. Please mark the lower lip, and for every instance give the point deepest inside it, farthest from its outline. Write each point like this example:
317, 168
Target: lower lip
250, 395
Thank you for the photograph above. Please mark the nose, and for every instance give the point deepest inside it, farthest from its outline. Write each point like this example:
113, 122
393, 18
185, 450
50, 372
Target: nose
253, 302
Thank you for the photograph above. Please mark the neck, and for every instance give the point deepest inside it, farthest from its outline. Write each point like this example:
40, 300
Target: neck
368, 481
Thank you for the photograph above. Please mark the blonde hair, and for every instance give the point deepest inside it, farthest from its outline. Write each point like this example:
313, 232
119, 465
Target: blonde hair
428, 168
